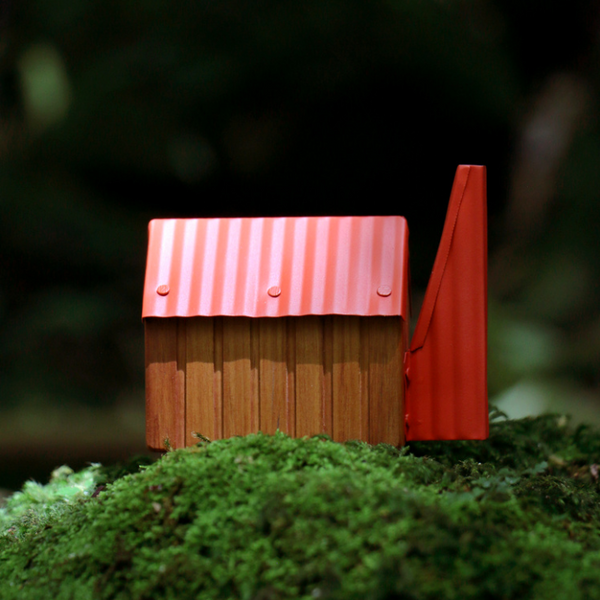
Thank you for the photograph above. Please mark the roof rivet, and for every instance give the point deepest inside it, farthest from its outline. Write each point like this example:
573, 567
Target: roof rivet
162, 290
274, 291
384, 290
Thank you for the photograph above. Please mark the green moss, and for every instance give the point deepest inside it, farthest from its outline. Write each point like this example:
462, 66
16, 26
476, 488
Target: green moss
269, 517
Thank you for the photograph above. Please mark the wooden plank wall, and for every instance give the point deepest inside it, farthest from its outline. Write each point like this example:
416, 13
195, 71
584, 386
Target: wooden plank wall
313, 376
165, 383
226, 376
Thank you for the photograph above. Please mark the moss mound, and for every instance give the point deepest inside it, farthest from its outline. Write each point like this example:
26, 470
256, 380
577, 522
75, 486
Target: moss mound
269, 517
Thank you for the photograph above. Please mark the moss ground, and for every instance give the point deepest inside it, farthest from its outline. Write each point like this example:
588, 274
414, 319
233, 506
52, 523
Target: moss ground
269, 517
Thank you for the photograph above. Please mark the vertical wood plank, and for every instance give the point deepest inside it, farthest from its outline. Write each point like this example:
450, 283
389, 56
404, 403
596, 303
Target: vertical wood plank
203, 393
254, 363
386, 389
165, 383
291, 373
328, 374
276, 397
240, 377
218, 378
364, 379
350, 408
311, 412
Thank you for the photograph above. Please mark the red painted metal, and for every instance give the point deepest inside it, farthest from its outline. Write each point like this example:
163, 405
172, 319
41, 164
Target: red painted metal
277, 266
446, 365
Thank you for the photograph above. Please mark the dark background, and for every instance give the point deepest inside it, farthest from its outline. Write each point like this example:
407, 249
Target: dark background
116, 112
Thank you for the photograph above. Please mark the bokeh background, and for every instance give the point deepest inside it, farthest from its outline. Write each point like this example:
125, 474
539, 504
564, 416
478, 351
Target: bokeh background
116, 112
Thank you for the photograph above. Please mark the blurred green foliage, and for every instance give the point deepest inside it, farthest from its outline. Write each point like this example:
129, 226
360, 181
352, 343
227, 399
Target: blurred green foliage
112, 113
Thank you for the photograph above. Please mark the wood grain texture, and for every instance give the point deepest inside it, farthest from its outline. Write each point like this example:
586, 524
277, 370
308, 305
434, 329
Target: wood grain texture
387, 336
291, 372
350, 397
275, 380
203, 408
313, 404
165, 383
328, 374
218, 376
225, 376
240, 376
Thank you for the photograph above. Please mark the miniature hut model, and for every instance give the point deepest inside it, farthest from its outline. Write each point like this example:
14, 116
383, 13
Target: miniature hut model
300, 324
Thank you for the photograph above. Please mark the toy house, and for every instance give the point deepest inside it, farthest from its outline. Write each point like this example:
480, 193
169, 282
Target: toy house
300, 324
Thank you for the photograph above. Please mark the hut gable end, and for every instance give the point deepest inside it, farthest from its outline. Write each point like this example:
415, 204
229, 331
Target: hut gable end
291, 324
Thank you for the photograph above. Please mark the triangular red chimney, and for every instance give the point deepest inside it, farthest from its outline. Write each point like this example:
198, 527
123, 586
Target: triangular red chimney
446, 365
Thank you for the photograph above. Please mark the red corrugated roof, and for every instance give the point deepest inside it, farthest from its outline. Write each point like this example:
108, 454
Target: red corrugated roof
277, 266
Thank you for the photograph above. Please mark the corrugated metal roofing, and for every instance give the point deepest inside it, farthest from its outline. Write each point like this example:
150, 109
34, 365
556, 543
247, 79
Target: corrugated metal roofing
277, 266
